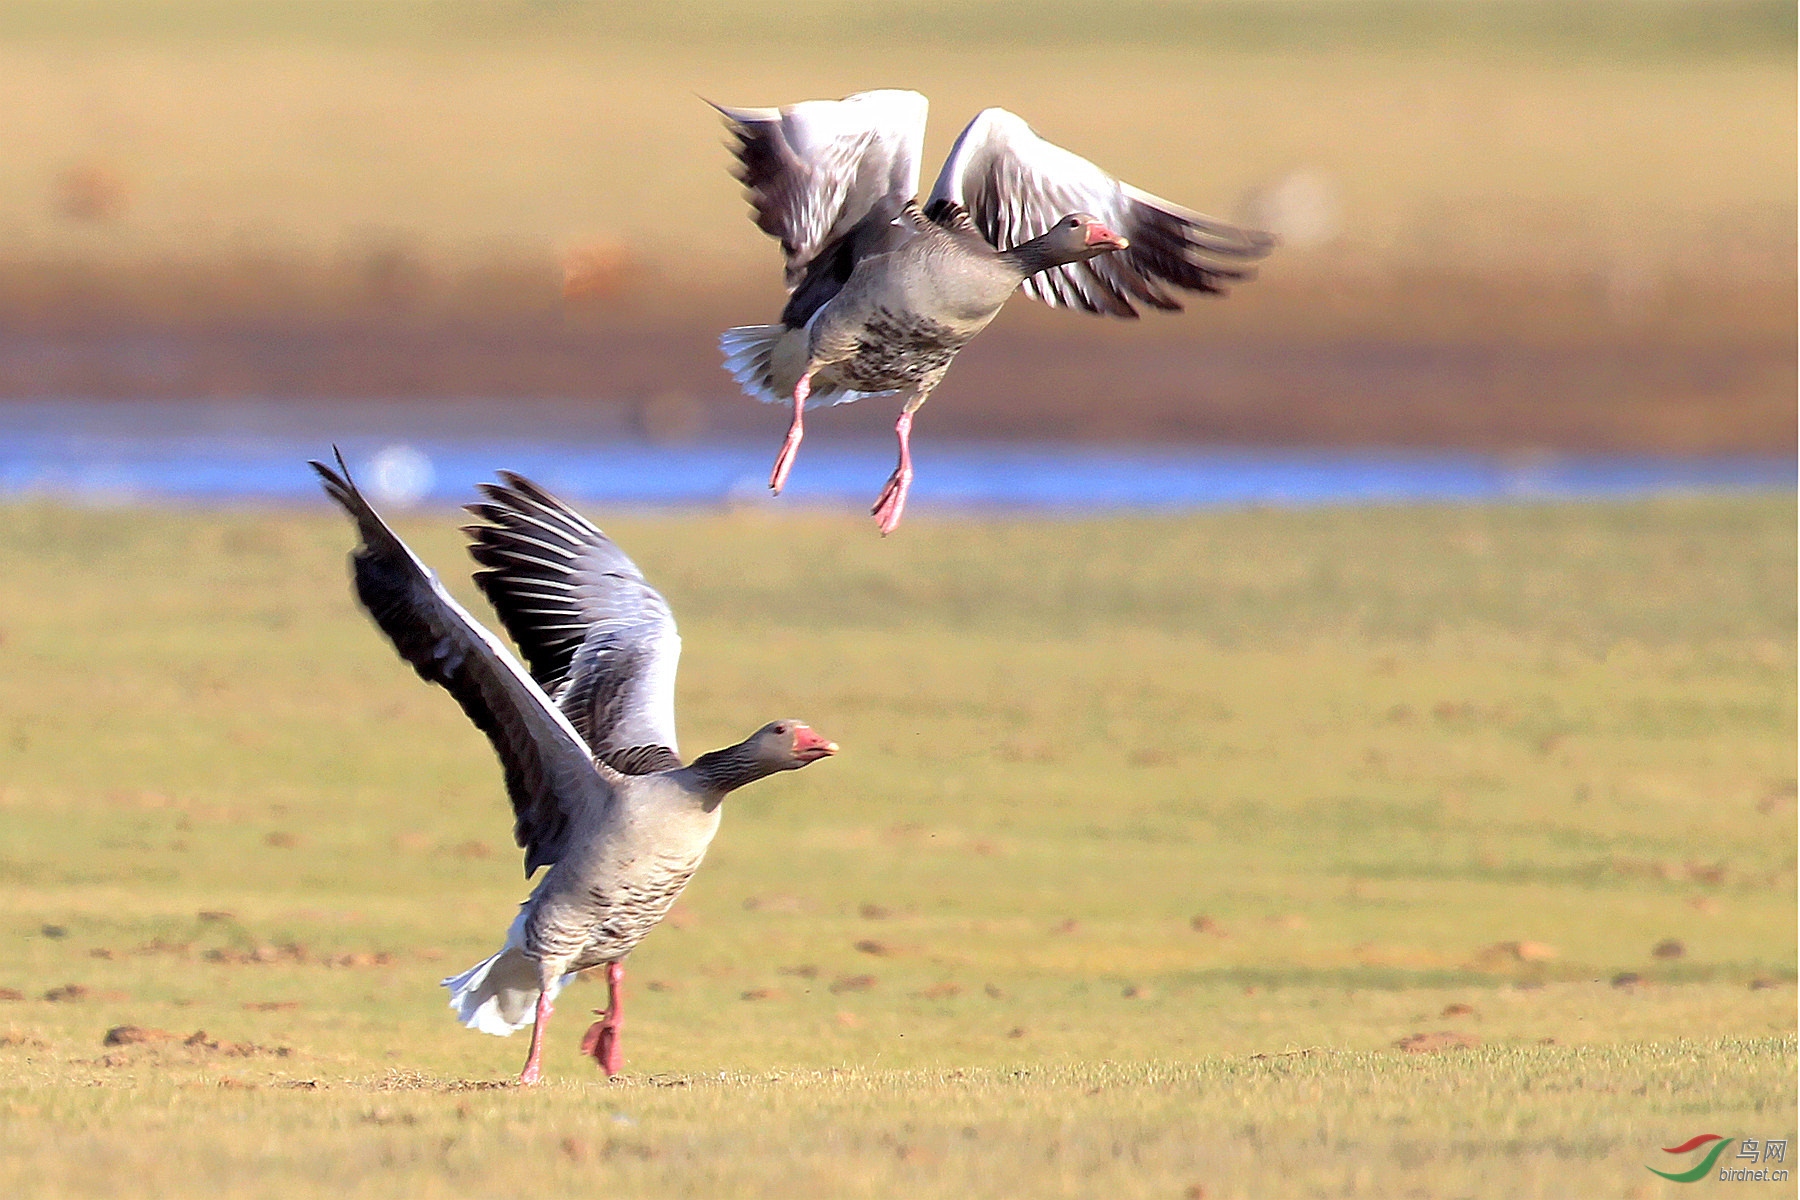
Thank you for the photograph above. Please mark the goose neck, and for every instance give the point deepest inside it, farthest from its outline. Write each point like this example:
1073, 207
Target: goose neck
718, 772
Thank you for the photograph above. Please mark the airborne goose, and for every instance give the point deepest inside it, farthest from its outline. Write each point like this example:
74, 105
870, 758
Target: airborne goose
883, 291
587, 740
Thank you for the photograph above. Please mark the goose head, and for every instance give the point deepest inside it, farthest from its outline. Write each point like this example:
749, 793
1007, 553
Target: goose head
789, 745
1081, 236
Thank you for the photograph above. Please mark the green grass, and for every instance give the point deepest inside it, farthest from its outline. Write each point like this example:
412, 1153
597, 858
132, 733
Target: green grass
1420, 770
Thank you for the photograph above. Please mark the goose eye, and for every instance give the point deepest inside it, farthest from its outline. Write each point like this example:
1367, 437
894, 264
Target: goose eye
781, 729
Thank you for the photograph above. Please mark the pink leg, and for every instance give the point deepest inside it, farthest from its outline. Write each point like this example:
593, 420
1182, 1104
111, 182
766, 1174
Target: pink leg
784, 461
602, 1040
534, 1060
892, 501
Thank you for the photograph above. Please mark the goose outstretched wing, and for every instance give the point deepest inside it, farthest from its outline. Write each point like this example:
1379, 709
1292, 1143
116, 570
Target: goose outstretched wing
1015, 185
550, 775
600, 640
818, 172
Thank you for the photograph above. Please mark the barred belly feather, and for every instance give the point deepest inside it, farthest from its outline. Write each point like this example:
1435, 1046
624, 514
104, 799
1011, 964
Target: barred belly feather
897, 349
626, 914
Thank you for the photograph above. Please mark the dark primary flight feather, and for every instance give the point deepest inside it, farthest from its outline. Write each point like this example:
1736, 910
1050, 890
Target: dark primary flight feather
549, 773
600, 640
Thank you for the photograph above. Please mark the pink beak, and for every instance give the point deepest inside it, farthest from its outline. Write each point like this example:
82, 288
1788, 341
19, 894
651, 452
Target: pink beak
810, 746
1100, 235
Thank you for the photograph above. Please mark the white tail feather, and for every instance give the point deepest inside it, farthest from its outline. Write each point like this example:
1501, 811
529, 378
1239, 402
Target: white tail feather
751, 353
749, 358
499, 995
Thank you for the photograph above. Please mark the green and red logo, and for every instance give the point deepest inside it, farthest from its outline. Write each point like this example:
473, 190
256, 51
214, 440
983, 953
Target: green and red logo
1720, 1145
1772, 1150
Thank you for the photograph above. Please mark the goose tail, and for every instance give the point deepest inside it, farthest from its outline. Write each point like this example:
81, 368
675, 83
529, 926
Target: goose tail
766, 360
499, 994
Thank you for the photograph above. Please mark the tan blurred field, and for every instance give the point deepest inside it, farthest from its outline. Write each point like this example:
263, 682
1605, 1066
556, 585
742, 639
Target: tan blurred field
1601, 214
466, 149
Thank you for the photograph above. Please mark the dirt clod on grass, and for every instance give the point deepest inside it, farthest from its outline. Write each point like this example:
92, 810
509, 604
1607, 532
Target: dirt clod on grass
1501, 953
1432, 1043
291, 952
382, 1115
783, 903
199, 1041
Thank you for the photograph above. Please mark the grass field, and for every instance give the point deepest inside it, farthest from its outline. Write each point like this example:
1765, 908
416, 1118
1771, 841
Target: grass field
1150, 842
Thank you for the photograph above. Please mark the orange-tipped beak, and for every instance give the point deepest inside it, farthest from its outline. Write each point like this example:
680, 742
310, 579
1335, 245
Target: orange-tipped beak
1100, 235
809, 746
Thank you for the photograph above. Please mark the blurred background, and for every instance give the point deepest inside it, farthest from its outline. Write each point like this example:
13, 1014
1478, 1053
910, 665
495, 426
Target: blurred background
1510, 227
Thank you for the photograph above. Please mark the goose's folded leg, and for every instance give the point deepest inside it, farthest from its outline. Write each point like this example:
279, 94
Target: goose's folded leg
534, 1059
891, 504
602, 1039
784, 461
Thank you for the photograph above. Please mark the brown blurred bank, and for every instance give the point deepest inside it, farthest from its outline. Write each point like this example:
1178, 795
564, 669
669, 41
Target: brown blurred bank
1507, 224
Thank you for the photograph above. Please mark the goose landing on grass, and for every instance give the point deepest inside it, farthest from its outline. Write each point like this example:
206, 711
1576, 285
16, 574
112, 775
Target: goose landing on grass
587, 740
